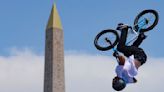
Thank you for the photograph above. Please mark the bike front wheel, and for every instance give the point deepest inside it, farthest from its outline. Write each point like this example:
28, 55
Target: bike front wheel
146, 20
106, 39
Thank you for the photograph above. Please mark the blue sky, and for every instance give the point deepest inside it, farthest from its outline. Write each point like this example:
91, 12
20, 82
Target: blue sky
23, 23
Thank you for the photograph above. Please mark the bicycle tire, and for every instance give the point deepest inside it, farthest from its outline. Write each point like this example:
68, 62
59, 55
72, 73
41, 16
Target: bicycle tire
101, 48
155, 13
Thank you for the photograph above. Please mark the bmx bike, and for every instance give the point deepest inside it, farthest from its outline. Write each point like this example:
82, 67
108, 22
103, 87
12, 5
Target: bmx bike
144, 21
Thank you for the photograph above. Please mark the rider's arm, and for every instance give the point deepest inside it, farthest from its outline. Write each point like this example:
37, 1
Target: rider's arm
120, 58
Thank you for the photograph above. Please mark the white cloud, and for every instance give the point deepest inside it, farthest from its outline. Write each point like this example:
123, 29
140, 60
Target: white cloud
94, 73
23, 72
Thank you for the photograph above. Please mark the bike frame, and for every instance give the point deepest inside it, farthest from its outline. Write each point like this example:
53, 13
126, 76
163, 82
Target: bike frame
141, 24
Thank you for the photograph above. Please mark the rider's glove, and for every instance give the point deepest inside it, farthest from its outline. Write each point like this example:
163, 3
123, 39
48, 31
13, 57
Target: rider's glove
115, 54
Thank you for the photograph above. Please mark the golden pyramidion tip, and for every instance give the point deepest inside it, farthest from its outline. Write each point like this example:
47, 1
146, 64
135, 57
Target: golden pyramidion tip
54, 19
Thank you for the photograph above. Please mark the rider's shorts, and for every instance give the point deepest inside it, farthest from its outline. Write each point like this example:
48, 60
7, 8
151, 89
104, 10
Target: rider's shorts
140, 56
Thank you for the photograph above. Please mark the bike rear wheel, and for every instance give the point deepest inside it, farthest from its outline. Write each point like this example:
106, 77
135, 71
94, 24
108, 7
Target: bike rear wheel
146, 20
106, 39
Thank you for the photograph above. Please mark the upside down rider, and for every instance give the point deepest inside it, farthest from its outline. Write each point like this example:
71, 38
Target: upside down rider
127, 69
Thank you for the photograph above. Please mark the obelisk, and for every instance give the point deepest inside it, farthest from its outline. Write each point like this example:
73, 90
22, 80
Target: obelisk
54, 80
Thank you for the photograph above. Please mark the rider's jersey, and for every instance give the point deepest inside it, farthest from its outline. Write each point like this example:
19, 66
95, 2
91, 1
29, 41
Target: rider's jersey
128, 70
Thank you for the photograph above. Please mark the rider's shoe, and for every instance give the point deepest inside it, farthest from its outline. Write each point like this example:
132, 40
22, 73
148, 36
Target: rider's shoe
119, 24
142, 35
122, 26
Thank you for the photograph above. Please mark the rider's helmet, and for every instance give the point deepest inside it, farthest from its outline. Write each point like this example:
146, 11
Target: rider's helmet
118, 84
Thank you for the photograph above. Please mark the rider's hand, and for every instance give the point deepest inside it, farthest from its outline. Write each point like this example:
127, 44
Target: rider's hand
115, 54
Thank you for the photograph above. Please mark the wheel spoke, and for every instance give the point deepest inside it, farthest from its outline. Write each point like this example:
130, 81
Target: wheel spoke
151, 16
106, 39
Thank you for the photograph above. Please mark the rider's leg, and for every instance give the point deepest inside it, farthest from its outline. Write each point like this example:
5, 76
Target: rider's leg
126, 50
139, 40
138, 53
